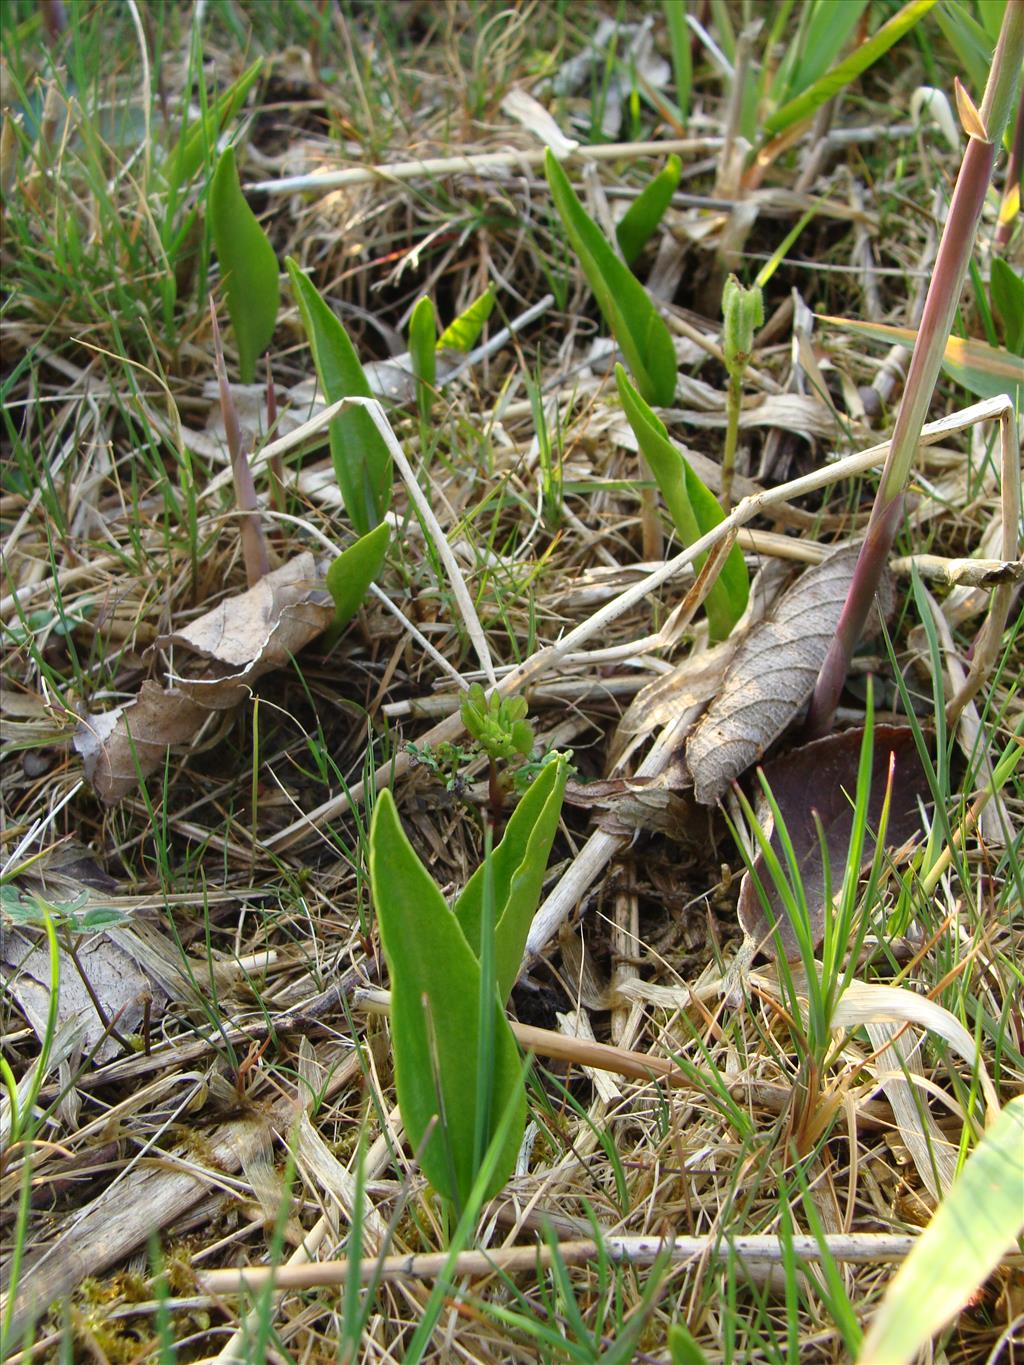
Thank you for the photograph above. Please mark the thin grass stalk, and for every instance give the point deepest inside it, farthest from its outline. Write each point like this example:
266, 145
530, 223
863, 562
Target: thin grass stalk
985, 130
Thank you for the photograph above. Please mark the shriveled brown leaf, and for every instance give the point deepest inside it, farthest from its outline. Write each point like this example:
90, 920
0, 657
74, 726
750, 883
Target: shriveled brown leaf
695, 680
122, 746
246, 636
771, 677
242, 638
818, 782
626, 805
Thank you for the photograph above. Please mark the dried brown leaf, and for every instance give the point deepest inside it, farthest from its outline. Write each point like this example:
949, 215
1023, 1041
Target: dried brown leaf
121, 746
817, 782
238, 641
246, 636
118, 987
771, 678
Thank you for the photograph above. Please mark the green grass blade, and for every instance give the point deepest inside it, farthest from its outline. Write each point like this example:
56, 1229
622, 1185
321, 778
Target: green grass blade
350, 575
626, 306
1006, 289
986, 371
462, 334
828, 28
248, 266
519, 863
979, 1220
682, 58
823, 89
692, 507
435, 990
362, 463
640, 221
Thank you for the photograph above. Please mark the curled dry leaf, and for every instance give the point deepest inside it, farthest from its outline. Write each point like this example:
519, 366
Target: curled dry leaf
771, 677
815, 783
238, 641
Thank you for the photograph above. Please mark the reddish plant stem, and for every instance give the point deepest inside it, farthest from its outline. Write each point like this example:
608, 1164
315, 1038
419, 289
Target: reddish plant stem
951, 265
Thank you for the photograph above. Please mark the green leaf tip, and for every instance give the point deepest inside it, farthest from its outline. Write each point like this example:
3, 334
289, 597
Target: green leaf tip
636, 324
248, 266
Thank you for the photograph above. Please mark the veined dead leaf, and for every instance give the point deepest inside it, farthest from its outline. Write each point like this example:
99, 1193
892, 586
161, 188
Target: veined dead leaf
771, 677
116, 986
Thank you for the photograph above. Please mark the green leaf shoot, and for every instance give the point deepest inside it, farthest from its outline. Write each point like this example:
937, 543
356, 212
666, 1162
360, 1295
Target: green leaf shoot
691, 505
979, 1221
198, 139
635, 323
351, 573
518, 865
423, 352
248, 266
362, 462
435, 1025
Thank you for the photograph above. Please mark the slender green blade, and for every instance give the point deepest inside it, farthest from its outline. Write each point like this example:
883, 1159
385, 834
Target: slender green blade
1006, 288
351, 573
986, 371
435, 989
823, 89
362, 463
198, 137
248, 266
518, 866
423, 351
627, 308
682, 59
976, 1224
691, 505
640, 221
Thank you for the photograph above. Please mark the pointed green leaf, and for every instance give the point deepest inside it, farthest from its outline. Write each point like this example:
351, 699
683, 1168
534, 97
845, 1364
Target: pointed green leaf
640, 221
518, 866
828, 85
986, 371
979, 1221
247, 263
636, 324
1006, 288
462, 334
198, 139
351, 573
692, 507
435, 992
362, 463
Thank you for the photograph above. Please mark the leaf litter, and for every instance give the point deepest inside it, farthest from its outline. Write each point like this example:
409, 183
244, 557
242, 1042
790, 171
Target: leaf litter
659, 915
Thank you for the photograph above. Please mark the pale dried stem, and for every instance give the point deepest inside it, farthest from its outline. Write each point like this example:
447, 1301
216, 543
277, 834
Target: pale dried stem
866, 1248
436, 166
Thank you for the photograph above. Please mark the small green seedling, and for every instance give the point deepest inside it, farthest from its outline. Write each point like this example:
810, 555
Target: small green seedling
743, 314
691, 505
636, 324
500, 728
458, 1072
248, 266
362, 462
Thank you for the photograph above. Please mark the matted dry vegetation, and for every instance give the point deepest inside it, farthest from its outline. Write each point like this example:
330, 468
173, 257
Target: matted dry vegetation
206, 1099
